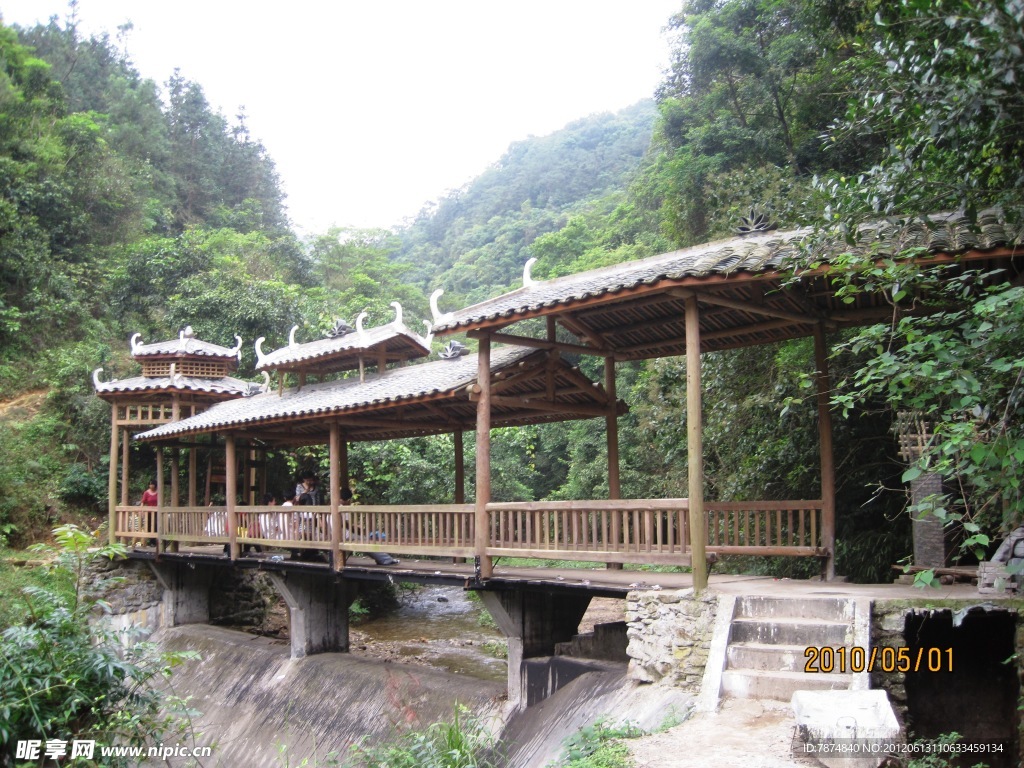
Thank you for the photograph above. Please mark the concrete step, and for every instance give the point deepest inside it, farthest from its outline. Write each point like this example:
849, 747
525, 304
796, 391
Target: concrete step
762, 606
791, 631
779, 686
766, 657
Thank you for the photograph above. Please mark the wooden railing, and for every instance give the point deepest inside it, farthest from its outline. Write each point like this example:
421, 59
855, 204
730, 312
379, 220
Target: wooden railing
654, 531
436, 529
790, 528
616, 531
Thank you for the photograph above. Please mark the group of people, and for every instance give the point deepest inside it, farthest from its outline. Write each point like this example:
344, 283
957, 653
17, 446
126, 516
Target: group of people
306, 493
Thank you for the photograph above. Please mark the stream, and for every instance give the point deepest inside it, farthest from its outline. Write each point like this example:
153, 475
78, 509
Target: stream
438, 627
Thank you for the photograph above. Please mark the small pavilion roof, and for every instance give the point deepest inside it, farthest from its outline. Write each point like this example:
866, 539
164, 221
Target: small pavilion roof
185, 346
634, 310
530, 387
343, 352
224, 386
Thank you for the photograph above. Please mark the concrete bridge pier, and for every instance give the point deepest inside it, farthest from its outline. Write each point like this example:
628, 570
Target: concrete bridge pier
317, 611
533, 622
186, 592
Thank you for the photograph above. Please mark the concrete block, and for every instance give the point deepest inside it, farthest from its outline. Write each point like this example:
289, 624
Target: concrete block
860, 720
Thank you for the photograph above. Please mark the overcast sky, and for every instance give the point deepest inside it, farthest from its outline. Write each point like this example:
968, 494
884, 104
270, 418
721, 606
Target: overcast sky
370, 109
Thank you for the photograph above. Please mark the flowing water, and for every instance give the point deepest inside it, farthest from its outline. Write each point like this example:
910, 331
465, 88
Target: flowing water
439, 627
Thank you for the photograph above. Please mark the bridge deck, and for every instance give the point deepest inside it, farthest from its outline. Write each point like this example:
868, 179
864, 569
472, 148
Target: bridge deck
598, 582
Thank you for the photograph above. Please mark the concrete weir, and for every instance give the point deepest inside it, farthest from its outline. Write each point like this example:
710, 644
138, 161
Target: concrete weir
262, 707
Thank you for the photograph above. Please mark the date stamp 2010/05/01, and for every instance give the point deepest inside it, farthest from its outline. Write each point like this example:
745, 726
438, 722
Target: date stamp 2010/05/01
825, 659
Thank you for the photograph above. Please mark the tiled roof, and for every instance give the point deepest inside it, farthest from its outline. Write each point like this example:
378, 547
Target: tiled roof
353, 343
183, 346
224, 385
395, 385
758, 253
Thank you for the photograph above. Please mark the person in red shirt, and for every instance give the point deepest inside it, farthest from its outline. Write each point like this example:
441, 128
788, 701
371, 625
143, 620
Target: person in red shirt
149, 496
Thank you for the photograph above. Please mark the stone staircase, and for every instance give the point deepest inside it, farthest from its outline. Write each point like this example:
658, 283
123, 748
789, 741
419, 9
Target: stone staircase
768, 637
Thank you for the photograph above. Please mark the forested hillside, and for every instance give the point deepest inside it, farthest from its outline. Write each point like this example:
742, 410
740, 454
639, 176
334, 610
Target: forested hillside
131, 206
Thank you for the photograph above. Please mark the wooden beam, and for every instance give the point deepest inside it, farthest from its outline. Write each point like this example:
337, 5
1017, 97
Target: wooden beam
460, 469
526, 341
708, 297
695, 447
828, 473
583, 331
483, 457
612, 436
578, 409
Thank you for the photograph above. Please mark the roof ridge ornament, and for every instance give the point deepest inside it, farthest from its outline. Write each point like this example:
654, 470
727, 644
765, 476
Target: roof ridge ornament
96, 376
434, 311
430, 332
260, 356
754, 222
341, 328
265, 386
136, 345
397, 322
359, 326
528, 281
453, 350
238, 348
291, 336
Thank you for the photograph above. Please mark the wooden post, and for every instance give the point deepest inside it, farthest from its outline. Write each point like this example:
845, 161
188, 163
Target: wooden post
483, 456
230, 490
828, 472
193, 476
125, 455
460, 469
612, 434
695, 446
335, 449
159, 493
175, 470
112, 476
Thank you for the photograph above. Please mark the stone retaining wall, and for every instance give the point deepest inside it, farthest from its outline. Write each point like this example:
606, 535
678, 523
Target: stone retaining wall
669, 635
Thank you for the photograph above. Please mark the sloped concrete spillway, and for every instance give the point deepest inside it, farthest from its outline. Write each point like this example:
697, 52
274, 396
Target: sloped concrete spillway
262, 708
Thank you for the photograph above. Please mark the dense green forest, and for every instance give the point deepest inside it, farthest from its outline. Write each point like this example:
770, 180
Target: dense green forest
131, 206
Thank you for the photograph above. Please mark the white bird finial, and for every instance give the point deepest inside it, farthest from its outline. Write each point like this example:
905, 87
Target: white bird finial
135, 343
96, 376
260, 357
238, 348
430, 331
398, 313
359, 324
265, 386
527, 278
434, 311
291, 336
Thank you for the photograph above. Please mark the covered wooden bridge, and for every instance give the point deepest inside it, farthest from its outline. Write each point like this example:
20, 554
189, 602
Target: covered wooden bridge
734, 293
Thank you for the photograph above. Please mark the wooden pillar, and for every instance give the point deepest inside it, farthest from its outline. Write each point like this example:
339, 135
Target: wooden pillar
483, 456
112, 477
193, 476
175, 470
612, 434
230, 491
126, 439
695, 446
460, 468
335, 449
828, 472
159, 493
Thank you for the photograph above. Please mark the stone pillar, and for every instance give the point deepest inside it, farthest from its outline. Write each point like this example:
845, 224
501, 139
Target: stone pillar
929, 538
317, 611
186, 592
533, 622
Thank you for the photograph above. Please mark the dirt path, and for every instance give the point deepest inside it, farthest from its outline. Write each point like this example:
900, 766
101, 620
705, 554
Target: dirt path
742, 734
